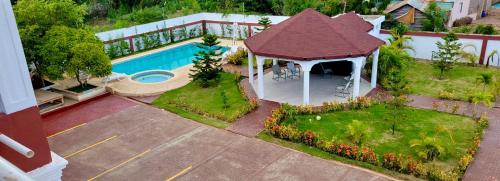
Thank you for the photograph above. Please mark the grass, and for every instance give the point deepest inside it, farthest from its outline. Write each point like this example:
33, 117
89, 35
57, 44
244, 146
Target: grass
325, 155
206, 104
461, 80
380, 138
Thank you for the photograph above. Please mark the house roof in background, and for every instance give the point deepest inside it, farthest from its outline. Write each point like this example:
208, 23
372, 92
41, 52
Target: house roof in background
417, 4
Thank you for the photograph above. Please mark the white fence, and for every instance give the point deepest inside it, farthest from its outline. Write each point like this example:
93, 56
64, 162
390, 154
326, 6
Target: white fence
424, 43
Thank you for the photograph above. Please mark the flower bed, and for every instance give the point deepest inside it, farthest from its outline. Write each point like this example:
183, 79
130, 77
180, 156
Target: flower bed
399, 162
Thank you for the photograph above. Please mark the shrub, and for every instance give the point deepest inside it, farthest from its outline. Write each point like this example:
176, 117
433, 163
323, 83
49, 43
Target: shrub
309, 138
443, 94
369, 156
357, 132
146, 15
427, 148
391, 161
123, 48
485, 30
464, 163
483, 121
462, 21
237, 57
112, 51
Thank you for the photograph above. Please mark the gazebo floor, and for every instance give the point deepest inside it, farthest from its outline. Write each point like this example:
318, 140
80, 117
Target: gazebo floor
321, 89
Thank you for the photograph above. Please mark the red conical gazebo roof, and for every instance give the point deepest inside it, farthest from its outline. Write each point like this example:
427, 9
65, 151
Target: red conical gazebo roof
311, 35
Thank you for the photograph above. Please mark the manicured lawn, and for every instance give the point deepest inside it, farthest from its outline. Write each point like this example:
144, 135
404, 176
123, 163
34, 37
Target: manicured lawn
455, 141
461, 80
206, 104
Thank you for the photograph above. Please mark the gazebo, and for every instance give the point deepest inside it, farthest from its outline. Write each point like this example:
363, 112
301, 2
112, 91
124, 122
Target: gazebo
310, 38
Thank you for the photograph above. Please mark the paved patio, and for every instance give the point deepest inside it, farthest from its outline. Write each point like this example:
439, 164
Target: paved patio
145, 143
321, 89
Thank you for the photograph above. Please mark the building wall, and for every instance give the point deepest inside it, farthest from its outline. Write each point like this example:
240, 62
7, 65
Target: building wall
460, 9
19, 119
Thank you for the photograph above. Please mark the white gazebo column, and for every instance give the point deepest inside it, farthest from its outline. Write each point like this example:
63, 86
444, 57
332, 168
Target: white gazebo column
260, 76
356, 63
306, 69
250, 67
374, 68
275, 61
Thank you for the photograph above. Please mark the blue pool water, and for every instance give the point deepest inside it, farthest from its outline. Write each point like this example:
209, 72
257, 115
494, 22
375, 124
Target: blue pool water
496, 6
169, 59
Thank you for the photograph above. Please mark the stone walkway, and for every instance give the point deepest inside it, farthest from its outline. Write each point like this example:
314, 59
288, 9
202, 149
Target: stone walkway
486, 164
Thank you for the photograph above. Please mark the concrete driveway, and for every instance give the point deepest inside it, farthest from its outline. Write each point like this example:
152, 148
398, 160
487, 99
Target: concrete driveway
146, 143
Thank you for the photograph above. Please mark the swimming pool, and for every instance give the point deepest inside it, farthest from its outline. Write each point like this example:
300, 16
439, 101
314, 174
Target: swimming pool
496, 6
168, 59
152, 76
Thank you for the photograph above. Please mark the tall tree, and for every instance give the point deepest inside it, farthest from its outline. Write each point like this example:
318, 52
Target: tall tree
447, 54
36, 17
207, 64
73, 51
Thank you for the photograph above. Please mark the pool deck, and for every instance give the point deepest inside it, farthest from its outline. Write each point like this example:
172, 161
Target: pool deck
128, 87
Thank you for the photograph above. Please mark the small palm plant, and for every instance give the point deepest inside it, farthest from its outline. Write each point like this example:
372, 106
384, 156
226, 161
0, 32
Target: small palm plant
428, 148
357, 132
486, 79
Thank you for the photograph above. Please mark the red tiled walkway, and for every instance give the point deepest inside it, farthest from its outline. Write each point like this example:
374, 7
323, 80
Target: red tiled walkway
85, 112
253, 123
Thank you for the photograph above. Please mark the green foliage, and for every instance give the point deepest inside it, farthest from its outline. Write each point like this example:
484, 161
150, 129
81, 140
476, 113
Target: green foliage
392, 60
35, 18
88, 59
396, 107
470, 57
486, 79
138, 45
396, 82
112, 50
265, 22
57, 46
485, 30
123, 47
476, 29
75, 52
428, 148
447, 54
357, 132
237, 57
206, 67
435, 18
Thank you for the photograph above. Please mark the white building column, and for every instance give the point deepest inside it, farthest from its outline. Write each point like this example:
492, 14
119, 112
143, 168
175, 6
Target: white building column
275, 61
250, 67
374, 68
260, 76
356, 63
306, 69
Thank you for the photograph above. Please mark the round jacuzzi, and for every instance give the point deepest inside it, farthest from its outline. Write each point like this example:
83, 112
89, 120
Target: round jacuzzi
152, 76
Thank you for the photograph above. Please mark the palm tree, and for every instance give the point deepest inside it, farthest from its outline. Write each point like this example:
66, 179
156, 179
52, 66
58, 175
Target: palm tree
485, 79
427, 147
